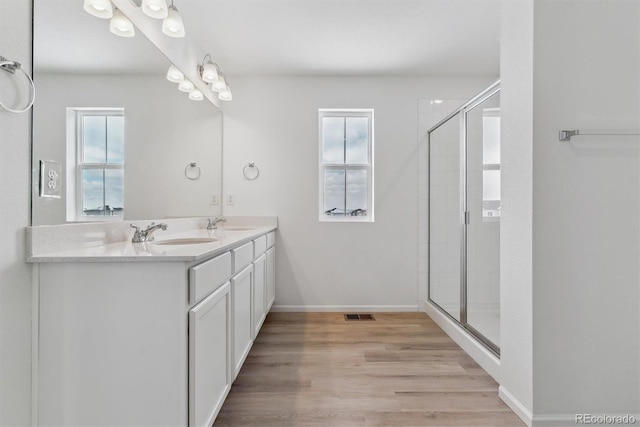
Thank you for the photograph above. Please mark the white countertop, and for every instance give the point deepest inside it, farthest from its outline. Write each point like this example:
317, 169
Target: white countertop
125, 251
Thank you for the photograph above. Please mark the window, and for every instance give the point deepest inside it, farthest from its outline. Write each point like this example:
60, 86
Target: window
346, 165
96, 187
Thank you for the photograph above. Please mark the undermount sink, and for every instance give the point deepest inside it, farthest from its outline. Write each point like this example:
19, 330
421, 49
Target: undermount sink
237, 228
186, 241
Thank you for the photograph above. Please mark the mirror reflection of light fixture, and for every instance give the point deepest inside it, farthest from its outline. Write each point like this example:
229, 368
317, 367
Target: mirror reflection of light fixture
196, 95
174, 75
120, 24
172, 25
155, 8
99, 8
225, 95
186, 86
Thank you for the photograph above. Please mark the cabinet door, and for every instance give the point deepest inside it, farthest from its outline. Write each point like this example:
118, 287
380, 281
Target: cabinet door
209, 357
270, 278
241, 297
259, 297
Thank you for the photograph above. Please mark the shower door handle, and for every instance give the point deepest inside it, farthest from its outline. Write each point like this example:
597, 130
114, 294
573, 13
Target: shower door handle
467, 217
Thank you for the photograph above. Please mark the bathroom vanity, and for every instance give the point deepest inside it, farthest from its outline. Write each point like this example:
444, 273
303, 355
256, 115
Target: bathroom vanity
149, 334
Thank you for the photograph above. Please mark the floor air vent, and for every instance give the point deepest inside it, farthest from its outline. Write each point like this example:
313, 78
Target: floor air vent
359, 317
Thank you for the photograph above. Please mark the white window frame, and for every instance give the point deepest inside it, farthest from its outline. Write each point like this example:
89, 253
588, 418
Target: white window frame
75, 148
369, 167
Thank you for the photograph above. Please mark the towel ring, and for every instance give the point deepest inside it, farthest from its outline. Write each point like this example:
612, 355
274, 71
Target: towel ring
251, 171
192, 171
11, 67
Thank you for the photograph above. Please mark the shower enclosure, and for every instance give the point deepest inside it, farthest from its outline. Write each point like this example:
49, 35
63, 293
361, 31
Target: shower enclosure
464, 216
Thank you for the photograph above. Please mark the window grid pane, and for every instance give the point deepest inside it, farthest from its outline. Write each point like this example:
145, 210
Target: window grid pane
94, 139
333, 140
357, 140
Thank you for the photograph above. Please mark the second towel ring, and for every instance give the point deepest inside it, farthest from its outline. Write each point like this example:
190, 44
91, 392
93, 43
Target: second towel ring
11, 67
251, 171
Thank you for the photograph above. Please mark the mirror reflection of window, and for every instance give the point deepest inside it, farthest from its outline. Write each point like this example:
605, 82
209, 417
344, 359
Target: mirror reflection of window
97, 189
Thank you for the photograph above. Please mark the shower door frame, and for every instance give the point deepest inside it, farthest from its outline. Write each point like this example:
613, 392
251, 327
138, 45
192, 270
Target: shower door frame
464, 213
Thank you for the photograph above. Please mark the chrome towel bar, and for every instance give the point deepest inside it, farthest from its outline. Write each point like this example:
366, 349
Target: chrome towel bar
565, 135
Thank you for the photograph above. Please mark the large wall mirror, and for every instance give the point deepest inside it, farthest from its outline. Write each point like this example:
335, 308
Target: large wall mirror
116, 135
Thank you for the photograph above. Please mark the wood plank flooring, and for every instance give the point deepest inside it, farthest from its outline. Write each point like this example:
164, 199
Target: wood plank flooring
316, 369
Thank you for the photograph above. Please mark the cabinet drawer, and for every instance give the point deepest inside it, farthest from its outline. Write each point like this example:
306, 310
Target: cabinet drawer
208, 276
242, 256
271, 239
260, 245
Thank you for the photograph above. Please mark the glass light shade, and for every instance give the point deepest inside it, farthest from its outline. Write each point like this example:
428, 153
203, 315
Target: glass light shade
172, 25
225, 95
174, 75
209, 73
220, 84
186, 86
99, 8
120, 25
155, 8
196, 95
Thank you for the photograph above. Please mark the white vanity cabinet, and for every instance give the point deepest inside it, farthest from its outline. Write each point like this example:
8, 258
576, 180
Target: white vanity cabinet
210, 339
259, 293
144, 343
270, 274
241, 295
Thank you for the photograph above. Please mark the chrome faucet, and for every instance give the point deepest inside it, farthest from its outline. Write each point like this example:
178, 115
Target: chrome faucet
141, 236
213, 223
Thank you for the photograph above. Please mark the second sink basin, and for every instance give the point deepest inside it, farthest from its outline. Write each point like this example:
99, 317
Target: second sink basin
186, 241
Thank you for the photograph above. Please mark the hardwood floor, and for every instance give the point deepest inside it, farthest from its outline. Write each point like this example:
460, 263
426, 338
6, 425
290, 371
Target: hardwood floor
316, 369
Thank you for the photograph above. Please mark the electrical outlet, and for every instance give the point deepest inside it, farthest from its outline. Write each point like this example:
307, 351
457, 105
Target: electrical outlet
214, 199
50, 176
231, 199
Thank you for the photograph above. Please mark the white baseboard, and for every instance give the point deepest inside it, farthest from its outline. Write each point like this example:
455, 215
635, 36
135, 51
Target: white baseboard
515, 405
487, 360
344, 308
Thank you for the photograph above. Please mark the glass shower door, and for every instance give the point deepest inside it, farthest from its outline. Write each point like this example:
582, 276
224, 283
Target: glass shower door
445, 240
481, 307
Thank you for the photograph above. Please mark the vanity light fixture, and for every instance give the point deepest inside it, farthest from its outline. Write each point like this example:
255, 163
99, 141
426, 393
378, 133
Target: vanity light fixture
208, 71
220, 84
172, 25
121, 25
99, 8
174, 75
196, 95
225, 95
186, 86
155, 8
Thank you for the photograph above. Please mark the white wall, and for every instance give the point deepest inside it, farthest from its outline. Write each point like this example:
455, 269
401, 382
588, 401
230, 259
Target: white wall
272, 121
164, 131
15, 274
586, 208
570, 241
516, 223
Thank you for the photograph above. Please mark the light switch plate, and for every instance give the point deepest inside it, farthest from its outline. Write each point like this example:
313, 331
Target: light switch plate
50, 179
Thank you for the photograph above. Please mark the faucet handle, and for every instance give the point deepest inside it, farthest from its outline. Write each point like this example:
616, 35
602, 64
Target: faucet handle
134, 226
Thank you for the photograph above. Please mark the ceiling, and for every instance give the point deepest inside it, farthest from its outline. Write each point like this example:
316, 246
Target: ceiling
294, 37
